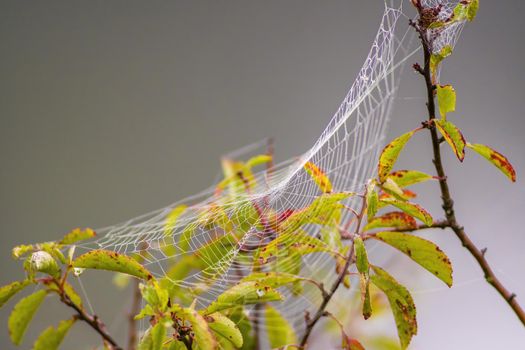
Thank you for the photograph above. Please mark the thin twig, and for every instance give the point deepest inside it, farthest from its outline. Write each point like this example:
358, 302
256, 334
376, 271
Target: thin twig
311, 322
91, 320
134, 310
448, 203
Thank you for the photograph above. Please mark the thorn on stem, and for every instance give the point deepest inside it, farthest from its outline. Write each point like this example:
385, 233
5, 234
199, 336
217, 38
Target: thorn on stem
418, 69
483, 251
512, 296
307, 318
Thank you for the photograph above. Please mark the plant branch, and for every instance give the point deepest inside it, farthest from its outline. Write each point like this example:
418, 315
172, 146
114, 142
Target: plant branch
311, 322
91, 320
134, 310
448, 203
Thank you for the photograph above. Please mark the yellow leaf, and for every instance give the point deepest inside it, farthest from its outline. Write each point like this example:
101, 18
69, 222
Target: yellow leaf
319, 177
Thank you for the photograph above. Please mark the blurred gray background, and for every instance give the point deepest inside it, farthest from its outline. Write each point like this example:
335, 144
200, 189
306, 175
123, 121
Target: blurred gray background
110, 109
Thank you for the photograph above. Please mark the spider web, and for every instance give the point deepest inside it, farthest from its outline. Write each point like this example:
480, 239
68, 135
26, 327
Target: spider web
346, 151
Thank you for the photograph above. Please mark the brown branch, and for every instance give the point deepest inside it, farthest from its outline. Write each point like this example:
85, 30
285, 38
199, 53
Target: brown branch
311, 322
448, 203
134, 310
91, 320
256, 327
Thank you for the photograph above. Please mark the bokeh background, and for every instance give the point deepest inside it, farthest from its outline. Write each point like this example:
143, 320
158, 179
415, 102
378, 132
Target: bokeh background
110, 109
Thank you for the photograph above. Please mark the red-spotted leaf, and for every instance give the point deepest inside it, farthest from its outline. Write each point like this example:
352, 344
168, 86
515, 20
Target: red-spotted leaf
405, 178
422, 251
453, 136
446, 96
401, 303
390, 154
107, 260
496, 158
392, 188
397, 220
411, 209
319, 177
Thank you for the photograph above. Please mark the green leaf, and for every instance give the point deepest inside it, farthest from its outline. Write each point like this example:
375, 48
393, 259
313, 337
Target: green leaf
77, 235
51, 338
411, 209
391, 187
280, 332
398, 220
472, 10
244, 293
22, 315
363, 269
453, 136
225, 327
466, 10
372, 200
319, 177
272, 279
172, 218
496, 158
361, 256
324, 210
203, 337
69, 290
176, 345
390, 154
258, 160
107, 260
436, 58
298, 241
241, 319
401, 303
8, 291
446, 96
422, 251
155, 295
146, 311
153, 339
21, 250
405, 178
